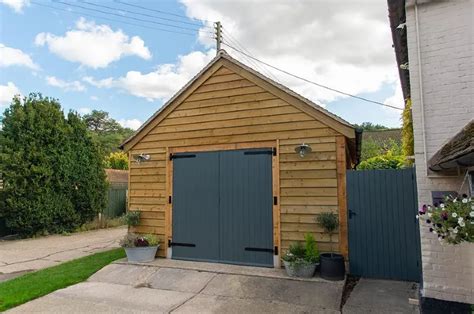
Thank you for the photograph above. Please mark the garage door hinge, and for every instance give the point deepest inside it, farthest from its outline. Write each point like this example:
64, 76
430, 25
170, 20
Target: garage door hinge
169, 199
182, 156
276, 250
274, 151
275, 200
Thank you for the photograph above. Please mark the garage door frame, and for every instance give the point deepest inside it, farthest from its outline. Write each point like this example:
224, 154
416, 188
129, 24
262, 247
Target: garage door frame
223, 147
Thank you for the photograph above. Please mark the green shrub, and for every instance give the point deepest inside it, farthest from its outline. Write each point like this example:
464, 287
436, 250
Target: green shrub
132, 218
330, 222
407, 130
131, 240
53, 174
117, 160
387, 161
311, 249
303, 254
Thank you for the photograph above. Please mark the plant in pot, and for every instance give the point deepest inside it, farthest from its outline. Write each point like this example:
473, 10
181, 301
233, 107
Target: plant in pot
332, 264
132, 218
301, 261
140, 248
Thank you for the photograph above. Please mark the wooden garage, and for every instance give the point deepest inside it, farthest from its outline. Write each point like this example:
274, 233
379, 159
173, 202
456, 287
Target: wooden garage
217, 174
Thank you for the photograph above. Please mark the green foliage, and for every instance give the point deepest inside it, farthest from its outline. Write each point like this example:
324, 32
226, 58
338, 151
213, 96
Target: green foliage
407, 130
108, 133
452, 221
386, 161
132, 218
131, 240
37, 284
303, 254
53, 174
311, 249
152, 239
329, 221
372, 148
117, 160
369, 126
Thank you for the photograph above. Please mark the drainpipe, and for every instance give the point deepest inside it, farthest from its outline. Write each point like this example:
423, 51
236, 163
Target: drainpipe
420, 85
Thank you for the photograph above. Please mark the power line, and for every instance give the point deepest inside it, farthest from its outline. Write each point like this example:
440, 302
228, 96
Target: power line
142, 14
113, 20
314, 83
127, 17
233, 40
158, 11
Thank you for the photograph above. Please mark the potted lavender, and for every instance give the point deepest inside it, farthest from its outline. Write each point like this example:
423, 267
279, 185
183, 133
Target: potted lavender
140, 248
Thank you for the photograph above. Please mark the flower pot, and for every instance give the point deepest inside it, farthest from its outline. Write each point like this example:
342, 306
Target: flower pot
300, 270
332, 266
141, 254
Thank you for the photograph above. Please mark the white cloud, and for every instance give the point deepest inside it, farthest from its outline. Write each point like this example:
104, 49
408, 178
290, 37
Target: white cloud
132, 123
396, 99
346, 45
16, 5
74, 86
84, 110
162, 83
7, 92
104, 83
11, 56
92, 45
94, 98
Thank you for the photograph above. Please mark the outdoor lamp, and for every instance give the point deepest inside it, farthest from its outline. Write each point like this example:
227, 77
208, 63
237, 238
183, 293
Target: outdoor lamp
141, 157
303, 149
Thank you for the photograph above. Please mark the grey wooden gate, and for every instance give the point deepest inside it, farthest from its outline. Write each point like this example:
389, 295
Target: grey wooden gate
222, 207
117, 200
384, 240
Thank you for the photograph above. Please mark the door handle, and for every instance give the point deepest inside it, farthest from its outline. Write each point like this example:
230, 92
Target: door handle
351, 214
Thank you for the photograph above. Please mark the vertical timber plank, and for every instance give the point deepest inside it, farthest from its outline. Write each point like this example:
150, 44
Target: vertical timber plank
341, 194
168, 194
276, 193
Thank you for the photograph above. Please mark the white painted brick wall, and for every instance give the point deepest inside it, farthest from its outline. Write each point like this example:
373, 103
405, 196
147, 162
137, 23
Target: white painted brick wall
447, 55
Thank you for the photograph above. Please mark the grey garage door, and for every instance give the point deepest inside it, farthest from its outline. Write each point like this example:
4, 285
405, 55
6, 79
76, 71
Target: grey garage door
222, 207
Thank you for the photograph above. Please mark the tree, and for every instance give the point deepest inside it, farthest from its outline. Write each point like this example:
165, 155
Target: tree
88, 188
117, 160
369, 126
53, 175
108, 133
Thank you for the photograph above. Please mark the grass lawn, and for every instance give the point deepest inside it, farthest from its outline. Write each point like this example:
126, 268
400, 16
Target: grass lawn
34, 285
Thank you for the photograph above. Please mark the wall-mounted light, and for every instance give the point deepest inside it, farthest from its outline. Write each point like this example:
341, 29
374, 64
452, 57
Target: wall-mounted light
402, 26
303, 149
404, 66
141, 157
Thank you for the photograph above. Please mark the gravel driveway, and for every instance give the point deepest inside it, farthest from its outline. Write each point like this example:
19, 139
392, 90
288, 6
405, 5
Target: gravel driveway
20, 256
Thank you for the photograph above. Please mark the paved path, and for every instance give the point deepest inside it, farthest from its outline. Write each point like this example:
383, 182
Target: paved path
122, 288
20, 256
381, 296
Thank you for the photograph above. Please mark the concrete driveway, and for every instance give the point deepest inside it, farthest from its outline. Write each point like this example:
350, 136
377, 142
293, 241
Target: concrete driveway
124, 288
20, 256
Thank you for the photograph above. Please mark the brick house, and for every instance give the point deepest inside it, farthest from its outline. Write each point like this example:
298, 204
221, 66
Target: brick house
434, 43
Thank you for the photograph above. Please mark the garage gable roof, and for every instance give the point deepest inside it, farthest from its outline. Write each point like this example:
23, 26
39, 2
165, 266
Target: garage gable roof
279, 90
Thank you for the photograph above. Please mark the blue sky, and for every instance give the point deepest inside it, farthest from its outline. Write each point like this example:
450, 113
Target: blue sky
63, 54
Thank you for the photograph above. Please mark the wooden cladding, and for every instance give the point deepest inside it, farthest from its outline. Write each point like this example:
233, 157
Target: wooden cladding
228, 110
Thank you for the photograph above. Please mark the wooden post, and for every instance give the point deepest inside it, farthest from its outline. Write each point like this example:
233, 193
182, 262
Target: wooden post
341, 194
218, 28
